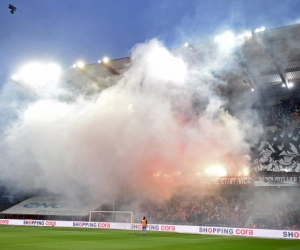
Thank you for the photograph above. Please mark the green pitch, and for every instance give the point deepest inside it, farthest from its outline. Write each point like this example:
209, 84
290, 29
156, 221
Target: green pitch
37, 238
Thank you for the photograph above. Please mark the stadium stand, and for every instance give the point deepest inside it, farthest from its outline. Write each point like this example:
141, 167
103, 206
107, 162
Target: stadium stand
284, 116
276, 208
277, 155
47, 207
213, 210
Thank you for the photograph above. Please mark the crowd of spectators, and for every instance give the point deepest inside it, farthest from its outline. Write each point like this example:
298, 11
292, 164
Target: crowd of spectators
284, 115
207, 210
278, 210
287, 216
269, 209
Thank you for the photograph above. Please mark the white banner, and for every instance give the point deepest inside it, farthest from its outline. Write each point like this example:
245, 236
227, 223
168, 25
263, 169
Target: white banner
228, 231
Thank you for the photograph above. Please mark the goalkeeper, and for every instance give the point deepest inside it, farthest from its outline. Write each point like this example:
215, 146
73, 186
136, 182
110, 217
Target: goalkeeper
144, 226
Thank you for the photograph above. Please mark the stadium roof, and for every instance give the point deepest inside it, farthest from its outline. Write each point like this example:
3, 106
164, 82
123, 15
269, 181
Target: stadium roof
264, 62
48, 205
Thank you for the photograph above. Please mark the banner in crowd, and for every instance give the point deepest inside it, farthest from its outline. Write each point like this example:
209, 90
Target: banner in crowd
246, 181
228, 231
278, 153
277, 181
224, 181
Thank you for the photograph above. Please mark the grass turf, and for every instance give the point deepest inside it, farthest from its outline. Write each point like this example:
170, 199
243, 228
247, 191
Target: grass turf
23, 237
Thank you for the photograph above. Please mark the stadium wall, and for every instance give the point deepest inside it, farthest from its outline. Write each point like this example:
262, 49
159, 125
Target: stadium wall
225, 231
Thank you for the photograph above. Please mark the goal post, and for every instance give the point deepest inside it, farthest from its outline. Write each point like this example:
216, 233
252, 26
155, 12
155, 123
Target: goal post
111, 216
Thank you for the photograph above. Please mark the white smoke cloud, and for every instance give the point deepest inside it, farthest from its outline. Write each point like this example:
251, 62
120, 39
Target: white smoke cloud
117, 140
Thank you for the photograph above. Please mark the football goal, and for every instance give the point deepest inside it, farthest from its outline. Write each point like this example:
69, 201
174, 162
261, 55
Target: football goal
111, 216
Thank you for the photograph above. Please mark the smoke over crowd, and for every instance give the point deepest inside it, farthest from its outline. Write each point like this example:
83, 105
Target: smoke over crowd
165, 116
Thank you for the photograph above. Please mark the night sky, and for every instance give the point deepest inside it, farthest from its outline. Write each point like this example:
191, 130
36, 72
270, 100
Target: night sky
68, 30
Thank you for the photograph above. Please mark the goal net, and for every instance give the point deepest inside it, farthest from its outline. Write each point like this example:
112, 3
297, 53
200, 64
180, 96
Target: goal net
111, 216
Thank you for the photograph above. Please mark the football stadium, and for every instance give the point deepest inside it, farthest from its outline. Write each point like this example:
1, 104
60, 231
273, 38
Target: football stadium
203, 140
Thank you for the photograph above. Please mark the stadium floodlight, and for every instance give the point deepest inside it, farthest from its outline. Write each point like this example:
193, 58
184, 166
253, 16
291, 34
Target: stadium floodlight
283, 85
247, 34
261, 29
215, 170
252, 89
53, 69
290, 84
186, 45
38, 74
15, 78
79, 65
105, 59
226, 41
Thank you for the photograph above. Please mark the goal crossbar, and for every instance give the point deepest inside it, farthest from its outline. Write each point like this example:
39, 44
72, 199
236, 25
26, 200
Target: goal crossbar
114, 216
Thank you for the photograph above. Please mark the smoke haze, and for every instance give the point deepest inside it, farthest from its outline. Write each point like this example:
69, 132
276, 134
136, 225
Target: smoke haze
164, 117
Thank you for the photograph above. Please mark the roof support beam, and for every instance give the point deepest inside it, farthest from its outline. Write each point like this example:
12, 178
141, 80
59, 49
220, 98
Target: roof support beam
110, 69
269, 50
279, 68
244, 70
247, 76
90, 77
